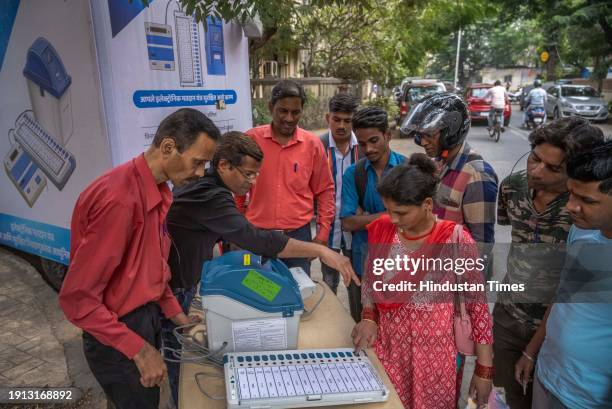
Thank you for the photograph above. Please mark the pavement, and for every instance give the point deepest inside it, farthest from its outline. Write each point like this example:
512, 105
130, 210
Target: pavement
39, 347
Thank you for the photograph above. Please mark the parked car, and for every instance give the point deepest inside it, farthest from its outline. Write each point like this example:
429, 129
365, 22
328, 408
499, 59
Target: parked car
479, 107
576, 100
414, 92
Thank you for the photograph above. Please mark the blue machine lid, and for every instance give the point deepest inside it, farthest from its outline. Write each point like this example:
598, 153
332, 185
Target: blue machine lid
44, 67
269, 287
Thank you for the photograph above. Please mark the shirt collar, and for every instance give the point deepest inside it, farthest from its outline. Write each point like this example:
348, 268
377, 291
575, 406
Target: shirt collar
154, 193
461, 158
394, 160
352, 142
298, 135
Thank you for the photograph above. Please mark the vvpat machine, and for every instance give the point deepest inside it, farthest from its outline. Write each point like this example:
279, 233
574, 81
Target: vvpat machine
49, 89
250, 306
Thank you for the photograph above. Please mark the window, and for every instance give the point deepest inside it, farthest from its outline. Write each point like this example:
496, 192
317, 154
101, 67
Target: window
479, 92
508, 78
579, 92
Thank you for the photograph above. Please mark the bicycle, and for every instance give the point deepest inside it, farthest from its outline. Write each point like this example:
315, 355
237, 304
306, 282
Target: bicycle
496, 130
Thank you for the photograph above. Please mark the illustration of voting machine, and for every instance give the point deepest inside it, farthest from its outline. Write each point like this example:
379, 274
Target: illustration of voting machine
253, 315
39, 135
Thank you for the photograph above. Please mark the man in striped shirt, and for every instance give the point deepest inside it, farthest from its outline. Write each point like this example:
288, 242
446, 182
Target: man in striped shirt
342, 151
468, 184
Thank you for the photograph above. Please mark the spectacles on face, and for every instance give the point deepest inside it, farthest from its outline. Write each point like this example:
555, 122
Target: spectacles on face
251, 176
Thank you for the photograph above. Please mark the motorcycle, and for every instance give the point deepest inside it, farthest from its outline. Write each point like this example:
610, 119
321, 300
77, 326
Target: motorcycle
536, 118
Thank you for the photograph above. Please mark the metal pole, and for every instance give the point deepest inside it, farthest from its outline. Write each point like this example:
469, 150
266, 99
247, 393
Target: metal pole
457, 59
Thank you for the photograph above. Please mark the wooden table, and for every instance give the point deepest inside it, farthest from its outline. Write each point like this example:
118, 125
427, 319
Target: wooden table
329, 326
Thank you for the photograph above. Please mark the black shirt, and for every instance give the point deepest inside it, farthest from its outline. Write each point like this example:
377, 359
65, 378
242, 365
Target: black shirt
201, 214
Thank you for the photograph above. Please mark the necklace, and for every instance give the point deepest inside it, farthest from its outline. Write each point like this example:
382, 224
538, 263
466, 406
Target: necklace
419, 237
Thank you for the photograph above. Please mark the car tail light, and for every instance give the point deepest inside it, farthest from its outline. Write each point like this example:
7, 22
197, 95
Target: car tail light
403, 108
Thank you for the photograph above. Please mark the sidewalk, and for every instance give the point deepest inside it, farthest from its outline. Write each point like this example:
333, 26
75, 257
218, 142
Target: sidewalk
38, 346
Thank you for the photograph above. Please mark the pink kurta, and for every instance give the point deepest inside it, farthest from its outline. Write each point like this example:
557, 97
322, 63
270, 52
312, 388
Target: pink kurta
415, 341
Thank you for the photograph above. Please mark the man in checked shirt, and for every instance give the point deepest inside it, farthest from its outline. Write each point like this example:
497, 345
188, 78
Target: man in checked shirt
468, 184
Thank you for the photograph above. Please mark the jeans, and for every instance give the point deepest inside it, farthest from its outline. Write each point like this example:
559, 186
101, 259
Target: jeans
511, 337
331, 276
500, 116
184, 296
119, 376
302, 233
543, 399
527, 113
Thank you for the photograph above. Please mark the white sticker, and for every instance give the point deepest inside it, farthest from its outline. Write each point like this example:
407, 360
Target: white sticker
258, 335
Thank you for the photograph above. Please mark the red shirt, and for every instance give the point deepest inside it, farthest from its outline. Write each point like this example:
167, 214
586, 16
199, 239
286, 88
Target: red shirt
292, 176
118, 251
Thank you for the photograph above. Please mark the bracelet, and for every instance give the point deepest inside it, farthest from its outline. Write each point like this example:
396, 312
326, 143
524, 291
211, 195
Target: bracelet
526, 355
369, 320
370, 314
484, 372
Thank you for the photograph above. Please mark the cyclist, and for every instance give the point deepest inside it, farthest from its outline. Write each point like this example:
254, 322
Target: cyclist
535, 99
498, 96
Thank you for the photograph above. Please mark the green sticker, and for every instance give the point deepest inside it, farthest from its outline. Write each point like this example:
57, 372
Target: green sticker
261, 285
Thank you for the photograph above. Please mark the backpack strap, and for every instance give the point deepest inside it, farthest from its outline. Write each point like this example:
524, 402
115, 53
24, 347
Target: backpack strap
325, 140
361, 181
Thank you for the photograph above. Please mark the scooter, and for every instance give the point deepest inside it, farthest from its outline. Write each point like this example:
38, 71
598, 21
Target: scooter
536, 118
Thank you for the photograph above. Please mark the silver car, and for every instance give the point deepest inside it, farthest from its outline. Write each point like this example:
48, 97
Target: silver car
576, 100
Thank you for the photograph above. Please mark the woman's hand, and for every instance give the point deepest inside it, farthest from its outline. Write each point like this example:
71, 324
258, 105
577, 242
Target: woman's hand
480, 389
364, 334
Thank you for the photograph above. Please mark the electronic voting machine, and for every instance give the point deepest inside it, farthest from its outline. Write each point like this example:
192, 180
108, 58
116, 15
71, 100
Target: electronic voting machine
301, 378
252, 312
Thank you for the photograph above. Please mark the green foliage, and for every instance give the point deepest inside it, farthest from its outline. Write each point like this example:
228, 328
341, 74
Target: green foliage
386, 103
261, 114
315, 108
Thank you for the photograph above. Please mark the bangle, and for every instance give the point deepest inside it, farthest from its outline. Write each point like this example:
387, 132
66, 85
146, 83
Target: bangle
369, 320
526, 355
484, 372
370, 314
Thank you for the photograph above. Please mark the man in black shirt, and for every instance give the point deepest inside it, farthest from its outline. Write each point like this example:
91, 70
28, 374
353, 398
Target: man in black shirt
203, 212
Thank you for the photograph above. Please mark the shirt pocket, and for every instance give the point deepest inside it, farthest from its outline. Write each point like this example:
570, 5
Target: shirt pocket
298, 175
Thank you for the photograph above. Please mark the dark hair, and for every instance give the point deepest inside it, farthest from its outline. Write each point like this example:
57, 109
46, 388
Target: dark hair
371, 117
287, 89
234, 146
343, 103
184, 127
497, 82
568, 134
593, 165
410, 183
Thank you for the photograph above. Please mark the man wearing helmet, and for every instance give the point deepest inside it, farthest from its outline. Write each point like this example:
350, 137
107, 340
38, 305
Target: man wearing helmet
535, 98
468, 184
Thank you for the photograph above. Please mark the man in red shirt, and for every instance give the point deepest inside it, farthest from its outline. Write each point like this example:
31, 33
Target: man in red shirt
117, 281
294, 174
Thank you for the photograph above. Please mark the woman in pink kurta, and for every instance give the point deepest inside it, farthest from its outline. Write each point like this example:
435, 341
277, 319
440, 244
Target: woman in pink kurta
412, 330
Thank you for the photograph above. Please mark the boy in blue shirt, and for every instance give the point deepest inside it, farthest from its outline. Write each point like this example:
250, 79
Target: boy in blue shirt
361, 203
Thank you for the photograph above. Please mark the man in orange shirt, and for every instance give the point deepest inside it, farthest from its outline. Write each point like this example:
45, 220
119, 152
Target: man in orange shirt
294, 174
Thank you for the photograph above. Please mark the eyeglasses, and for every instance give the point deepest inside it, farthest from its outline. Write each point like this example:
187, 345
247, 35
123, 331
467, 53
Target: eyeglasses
248, 175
